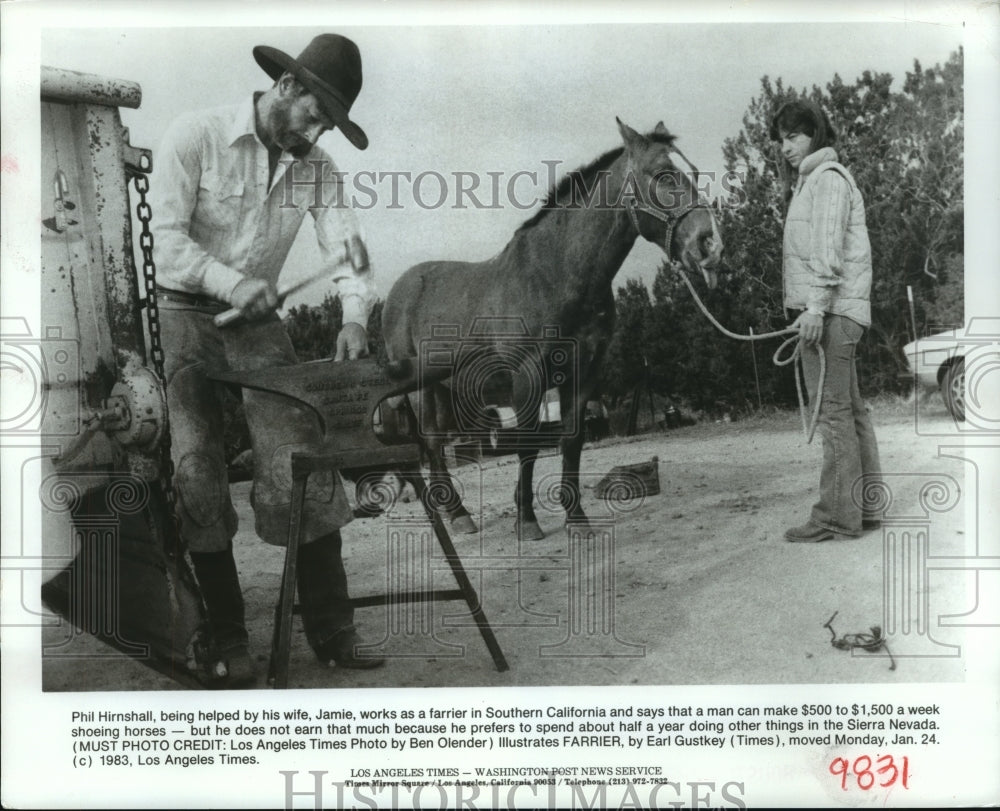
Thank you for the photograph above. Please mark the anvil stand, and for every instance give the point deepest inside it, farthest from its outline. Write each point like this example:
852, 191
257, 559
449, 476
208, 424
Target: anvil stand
345, 395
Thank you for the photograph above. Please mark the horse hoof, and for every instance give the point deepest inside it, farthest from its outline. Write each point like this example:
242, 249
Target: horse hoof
529, 531
464, 525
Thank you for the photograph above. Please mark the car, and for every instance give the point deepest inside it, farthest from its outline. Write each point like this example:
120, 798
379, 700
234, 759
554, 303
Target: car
938, 361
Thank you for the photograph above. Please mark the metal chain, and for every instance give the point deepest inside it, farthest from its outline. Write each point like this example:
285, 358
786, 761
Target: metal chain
145, 215
200, 658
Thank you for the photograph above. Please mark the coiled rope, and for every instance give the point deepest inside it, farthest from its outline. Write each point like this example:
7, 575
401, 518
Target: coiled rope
808, 429
869, 642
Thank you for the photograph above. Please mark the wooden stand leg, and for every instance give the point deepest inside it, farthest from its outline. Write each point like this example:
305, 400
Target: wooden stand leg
282, 640
464, 584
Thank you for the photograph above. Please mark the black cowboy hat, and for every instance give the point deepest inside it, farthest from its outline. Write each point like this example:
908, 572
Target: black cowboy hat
330, 69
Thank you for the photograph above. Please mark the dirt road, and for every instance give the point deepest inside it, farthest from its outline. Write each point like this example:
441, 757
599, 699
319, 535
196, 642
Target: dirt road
694, 586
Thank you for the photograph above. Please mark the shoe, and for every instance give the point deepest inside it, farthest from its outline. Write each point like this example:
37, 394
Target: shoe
240, 671
220, 587
340, 651
808, 533
871, 523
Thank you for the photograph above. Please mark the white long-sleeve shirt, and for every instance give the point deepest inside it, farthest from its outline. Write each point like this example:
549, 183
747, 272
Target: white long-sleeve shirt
216, 220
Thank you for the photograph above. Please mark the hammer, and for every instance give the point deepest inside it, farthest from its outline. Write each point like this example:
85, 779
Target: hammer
227, 317
357, 254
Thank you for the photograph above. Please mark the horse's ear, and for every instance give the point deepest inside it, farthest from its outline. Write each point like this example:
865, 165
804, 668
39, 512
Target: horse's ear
630, 136
661, 129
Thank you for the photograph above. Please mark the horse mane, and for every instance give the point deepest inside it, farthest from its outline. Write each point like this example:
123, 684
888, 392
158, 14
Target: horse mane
578, 179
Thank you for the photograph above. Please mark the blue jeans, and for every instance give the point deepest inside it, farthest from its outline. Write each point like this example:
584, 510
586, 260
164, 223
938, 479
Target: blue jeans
850, 450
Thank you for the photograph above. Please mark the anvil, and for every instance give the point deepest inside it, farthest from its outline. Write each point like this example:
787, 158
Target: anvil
345, 396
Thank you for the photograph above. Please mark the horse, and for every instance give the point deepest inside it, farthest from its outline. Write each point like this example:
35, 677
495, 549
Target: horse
541, 312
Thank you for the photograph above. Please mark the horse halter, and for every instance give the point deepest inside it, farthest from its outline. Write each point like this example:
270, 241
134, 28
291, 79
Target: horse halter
671, 220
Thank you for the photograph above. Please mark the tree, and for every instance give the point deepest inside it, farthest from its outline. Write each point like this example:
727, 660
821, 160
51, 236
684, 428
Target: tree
313, 330
693, 362
624, 367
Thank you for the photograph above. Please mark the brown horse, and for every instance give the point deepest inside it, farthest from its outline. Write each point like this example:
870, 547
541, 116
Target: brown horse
540, 314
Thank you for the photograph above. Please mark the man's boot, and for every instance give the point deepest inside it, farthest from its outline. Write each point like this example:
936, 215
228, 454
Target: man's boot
326, 614
220, 586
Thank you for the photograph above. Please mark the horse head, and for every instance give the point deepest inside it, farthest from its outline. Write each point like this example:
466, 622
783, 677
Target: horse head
665, 205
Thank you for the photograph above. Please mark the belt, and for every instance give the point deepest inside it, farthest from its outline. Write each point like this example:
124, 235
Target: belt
190, 299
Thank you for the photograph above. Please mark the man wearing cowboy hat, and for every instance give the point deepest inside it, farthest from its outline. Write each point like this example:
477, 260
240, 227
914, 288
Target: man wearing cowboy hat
232, 187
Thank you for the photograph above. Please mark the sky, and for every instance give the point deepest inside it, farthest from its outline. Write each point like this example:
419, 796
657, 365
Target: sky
476, 98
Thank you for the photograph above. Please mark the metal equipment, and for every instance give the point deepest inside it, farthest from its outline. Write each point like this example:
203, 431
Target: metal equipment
107, 502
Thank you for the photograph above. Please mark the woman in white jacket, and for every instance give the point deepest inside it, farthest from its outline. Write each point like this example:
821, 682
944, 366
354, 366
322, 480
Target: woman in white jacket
827, 281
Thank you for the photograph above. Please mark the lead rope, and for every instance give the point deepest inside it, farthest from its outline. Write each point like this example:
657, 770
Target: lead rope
808, 429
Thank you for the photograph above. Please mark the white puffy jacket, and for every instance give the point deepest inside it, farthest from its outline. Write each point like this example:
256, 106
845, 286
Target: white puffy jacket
827, 255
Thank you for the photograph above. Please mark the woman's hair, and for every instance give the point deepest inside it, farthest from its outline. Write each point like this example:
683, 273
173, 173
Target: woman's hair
808, 118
